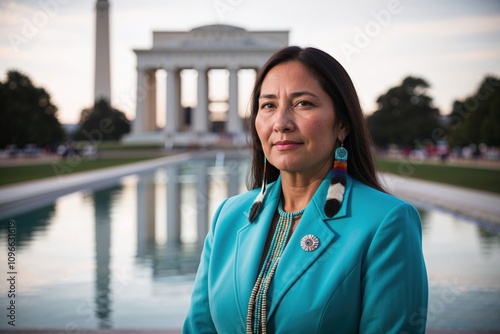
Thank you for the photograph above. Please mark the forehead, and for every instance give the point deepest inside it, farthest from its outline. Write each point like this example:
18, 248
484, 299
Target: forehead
292, 76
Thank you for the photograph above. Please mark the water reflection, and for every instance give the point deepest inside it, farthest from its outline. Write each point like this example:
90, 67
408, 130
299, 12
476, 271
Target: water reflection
171, 261
454, 251
424, 218
186, 196
103, 202
31, 225
146, 221
489, 240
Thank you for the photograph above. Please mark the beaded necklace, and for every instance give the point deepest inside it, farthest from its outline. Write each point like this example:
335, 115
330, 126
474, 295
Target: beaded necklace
257, 306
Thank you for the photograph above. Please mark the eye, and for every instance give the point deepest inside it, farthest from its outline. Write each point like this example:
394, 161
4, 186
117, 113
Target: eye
267, 105
304, 103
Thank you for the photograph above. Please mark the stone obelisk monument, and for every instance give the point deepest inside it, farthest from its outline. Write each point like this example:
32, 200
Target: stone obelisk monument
102, 58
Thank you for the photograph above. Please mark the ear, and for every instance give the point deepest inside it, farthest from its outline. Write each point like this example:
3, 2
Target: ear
343, 132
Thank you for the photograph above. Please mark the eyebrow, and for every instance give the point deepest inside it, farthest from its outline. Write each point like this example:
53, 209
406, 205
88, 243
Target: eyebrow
293, 95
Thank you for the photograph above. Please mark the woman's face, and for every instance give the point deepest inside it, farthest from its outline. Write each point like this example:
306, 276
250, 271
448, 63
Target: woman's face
295, 122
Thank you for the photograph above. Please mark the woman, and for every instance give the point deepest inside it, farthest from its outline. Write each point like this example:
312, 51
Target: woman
320, 247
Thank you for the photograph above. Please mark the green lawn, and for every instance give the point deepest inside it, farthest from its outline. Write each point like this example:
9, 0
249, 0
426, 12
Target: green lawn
468, 177
14, 174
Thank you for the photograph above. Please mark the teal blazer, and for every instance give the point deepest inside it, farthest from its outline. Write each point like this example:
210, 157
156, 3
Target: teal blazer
367, 275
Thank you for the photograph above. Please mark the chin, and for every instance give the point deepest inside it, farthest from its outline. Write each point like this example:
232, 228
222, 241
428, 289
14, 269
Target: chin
288, 166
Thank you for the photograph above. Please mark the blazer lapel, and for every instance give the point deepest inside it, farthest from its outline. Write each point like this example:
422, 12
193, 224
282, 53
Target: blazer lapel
295, 261
250, 243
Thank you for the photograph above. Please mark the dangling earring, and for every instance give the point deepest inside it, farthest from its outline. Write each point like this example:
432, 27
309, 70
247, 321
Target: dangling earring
337, 184
255, 209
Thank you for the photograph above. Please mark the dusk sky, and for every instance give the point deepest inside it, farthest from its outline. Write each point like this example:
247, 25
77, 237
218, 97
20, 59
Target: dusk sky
453, 44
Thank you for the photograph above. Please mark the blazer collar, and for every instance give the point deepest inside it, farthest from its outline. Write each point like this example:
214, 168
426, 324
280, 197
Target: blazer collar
274, 192
319, 198
295, 261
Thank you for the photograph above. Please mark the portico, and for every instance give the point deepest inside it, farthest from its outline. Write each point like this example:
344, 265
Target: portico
202, 49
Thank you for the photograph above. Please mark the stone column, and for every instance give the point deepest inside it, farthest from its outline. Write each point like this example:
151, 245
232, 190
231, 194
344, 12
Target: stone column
180, 115
200, 119
173, 101
138, 124
150, 101
145, 112
233, 119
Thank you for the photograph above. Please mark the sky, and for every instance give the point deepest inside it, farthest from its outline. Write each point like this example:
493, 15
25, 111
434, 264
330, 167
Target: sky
452, 44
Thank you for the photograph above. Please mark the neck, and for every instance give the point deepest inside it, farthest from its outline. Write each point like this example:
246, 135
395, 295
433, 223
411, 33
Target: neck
298, 188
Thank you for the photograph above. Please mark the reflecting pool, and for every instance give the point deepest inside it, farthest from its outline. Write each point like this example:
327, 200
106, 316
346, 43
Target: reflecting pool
126, 256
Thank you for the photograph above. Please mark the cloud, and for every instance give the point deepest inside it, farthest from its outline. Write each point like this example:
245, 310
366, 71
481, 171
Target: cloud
458, 26
477, 55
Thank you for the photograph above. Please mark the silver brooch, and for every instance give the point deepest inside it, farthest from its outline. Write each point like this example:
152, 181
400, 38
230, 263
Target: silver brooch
309, 243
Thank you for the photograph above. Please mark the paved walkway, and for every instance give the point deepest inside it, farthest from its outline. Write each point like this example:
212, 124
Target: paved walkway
478, 205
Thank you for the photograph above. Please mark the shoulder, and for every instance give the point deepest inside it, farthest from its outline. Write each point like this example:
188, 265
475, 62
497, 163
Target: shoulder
383, 219
229, 219
370, 202
233, 212
366, 192
240, 204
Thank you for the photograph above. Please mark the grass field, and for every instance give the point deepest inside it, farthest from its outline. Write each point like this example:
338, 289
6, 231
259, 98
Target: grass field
14, 174
462, 176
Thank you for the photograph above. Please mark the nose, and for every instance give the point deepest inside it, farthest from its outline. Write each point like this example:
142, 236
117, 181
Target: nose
283, 121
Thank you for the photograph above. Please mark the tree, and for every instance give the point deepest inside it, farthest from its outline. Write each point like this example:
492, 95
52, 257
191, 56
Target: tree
476, 119
102, 122
405, 115
27, 116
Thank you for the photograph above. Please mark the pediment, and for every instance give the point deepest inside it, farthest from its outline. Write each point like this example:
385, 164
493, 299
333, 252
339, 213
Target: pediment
216, 28
218, 37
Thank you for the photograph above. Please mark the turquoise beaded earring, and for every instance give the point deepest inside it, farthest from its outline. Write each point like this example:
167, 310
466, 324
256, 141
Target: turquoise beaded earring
337, 184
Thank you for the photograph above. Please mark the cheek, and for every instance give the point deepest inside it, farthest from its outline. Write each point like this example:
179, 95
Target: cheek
322, 127
323, 132
261, 127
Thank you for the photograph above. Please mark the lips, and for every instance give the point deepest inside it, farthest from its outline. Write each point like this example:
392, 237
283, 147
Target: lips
284, 145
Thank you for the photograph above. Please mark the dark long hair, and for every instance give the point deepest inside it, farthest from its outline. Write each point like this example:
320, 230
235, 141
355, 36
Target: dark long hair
335, 81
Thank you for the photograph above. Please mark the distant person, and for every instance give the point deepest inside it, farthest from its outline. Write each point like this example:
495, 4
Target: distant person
317, 246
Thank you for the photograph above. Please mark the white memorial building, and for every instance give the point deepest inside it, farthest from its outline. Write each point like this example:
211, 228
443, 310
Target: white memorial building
201, 49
